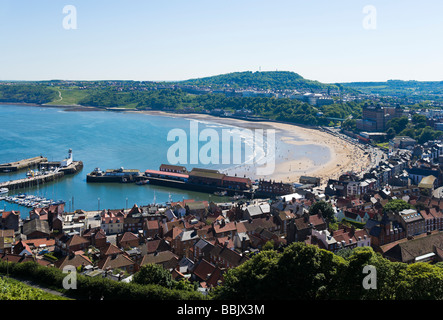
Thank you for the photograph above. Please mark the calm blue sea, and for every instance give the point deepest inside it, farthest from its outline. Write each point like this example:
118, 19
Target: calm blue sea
108, 140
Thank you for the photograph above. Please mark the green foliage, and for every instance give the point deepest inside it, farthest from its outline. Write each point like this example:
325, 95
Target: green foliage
419, 90
49, 256
398, 124
305, 272
262, 80
419, 120
416, 129
21, 93
268, 245
97, 287
153, 274
396, 205
11, 289
420, 281
324, 208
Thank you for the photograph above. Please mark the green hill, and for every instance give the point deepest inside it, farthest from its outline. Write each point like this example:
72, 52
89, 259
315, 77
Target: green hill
263, 80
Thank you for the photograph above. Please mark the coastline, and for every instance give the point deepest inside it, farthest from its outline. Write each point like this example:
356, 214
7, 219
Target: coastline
343, 156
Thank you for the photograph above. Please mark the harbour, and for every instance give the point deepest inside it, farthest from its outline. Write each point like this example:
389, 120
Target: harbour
141, 141
178, 177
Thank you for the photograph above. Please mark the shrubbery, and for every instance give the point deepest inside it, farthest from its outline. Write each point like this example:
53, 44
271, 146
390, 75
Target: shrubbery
95, 288
305, 272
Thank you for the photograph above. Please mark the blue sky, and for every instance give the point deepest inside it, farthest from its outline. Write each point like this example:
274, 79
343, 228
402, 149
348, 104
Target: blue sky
175, 39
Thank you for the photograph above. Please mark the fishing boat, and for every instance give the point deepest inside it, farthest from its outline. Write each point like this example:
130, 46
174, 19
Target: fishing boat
237, 197
142, 182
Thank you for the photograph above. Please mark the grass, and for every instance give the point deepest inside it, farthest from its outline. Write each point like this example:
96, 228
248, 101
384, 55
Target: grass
384, 145
11, 289
69, 97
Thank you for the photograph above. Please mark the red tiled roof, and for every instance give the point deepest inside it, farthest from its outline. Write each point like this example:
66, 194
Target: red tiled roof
5, 214
316, 219
215, 277
76, 240
231, 226
204, 269
237, 179
40, 242
100, 234
128, 236
152, 225
111, 249
75, 261
165, 173
119, 261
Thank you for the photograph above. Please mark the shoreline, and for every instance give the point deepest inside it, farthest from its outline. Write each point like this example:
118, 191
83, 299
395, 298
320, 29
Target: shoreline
343, 156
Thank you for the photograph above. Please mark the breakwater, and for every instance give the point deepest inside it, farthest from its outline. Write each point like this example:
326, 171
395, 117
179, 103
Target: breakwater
21, 164
32, 181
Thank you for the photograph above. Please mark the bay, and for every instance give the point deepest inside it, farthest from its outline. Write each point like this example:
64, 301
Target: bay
108, 140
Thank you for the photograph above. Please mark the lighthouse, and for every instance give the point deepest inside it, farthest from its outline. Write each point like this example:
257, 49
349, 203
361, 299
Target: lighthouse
68, 160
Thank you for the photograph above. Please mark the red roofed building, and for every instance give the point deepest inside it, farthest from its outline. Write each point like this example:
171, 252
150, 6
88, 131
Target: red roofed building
110, 250
10, 220
120, 261
203, 270
166, 175
236, 183
152, 228
350, 238
128, 240
68, 245
173, 168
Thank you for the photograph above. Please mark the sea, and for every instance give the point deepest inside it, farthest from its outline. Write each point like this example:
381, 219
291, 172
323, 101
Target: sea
105, 140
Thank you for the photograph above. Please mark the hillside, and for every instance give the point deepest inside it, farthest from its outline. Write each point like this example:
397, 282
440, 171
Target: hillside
263, 80
426, 90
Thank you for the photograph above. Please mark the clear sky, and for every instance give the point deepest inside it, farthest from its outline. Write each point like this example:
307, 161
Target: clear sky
321, 40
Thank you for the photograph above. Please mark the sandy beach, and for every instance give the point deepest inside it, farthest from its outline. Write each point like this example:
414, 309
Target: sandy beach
343, 157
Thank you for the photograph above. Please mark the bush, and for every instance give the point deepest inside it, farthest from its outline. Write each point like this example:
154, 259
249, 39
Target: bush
95, 288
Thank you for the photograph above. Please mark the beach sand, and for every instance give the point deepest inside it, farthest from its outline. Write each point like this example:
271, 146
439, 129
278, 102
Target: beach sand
344, 156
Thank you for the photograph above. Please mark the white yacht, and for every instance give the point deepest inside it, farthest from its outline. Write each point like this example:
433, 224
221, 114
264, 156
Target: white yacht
4, 190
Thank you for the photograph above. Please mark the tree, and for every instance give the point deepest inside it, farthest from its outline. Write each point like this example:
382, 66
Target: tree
426, 134
398, 124
396, 205
153, 274
419, 121
324, 208
268, 245
254, 279
420, 281
390, 133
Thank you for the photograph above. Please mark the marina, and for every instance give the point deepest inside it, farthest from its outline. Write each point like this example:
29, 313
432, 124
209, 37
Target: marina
49, 171
30, 201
